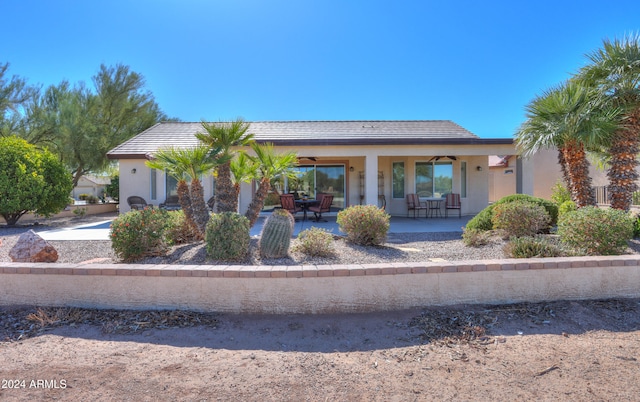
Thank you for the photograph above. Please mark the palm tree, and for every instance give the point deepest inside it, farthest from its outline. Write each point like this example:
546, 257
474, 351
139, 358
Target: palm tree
270, 165
565, 118
615, 72
225, 136
244, 169
184, 163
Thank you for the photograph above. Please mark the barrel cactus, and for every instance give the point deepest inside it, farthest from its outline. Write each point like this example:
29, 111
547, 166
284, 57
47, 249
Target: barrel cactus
276, 234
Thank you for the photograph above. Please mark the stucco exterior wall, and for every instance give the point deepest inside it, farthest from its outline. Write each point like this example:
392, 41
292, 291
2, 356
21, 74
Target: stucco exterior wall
318, 289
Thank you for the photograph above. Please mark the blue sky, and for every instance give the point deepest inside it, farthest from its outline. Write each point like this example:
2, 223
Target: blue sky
476, 63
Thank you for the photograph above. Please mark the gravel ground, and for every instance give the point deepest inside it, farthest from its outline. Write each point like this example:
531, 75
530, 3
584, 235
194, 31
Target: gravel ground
400, 247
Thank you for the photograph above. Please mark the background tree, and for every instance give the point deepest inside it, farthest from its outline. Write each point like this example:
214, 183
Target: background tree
270, 166
614, 70
225, 136
14, 96
31, 180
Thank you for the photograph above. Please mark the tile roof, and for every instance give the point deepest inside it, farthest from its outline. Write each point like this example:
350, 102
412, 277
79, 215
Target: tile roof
366, 132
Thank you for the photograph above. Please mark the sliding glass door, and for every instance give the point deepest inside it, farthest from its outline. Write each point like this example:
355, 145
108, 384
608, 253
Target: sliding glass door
313, 179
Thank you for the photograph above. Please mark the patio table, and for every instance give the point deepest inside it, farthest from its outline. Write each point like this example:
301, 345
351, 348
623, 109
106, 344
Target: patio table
434, 205
305, 204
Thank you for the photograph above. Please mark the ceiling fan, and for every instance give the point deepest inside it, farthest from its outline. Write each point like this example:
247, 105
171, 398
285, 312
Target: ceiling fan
437, 158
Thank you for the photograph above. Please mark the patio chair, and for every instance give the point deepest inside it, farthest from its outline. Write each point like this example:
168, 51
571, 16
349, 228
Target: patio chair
452, 201
323, 206
414, 204
136, 202
172, 203
288, 202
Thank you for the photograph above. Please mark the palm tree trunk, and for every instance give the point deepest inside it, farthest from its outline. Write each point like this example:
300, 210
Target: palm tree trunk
622, 174
578, 172
184, 197
199, 206
253, 212
563, 168
226, 200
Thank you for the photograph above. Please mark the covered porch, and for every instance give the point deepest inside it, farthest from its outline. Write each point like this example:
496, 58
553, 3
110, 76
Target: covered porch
385, 175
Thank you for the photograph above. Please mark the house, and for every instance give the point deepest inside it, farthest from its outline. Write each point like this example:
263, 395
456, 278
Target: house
92, 185
360, 162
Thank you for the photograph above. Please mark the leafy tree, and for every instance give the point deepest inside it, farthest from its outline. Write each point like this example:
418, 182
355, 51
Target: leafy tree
566, 117
82, 124
270, 166
225, 136
30, 180
614, 70
113, 189
14, 95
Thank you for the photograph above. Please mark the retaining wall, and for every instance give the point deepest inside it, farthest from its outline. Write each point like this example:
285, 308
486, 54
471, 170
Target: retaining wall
318, 289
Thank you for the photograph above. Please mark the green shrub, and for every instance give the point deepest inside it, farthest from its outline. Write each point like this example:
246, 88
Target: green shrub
520, 218
139, 234
83, 196
227, 236
92, 199
636, 224
482, 221
179, 231
597, 231
560, 193
366, 225
276, 234
31, 180
476, 237
315, 242
565, 207
531, 247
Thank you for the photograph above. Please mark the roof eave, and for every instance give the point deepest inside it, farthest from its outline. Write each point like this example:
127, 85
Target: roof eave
392, 141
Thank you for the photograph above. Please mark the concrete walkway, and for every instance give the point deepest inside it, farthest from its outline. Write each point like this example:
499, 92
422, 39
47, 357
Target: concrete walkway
100, 230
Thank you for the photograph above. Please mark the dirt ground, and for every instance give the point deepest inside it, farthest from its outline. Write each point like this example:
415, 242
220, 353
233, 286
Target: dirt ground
570, 350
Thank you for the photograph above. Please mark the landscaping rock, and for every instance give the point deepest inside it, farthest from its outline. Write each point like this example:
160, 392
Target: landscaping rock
30, 247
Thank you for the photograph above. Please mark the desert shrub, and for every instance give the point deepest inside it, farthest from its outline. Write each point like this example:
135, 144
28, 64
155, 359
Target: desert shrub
476, 237
597, 231
530, 247
91, 199
227, 236
482, 221
315, 242
276, 234
366, 225
636, 224
566, 207
179, 231
139, 234
520, 218
560, 193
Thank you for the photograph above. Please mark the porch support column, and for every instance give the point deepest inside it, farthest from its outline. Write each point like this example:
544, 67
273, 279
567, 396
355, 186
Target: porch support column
371, 179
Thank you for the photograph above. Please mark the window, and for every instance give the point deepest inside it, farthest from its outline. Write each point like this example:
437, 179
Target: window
171, 185
463, 179
398, 179
434, 179
154, 191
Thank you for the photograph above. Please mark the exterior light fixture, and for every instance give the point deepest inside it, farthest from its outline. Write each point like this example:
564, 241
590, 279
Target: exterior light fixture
479, 168
133, 171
